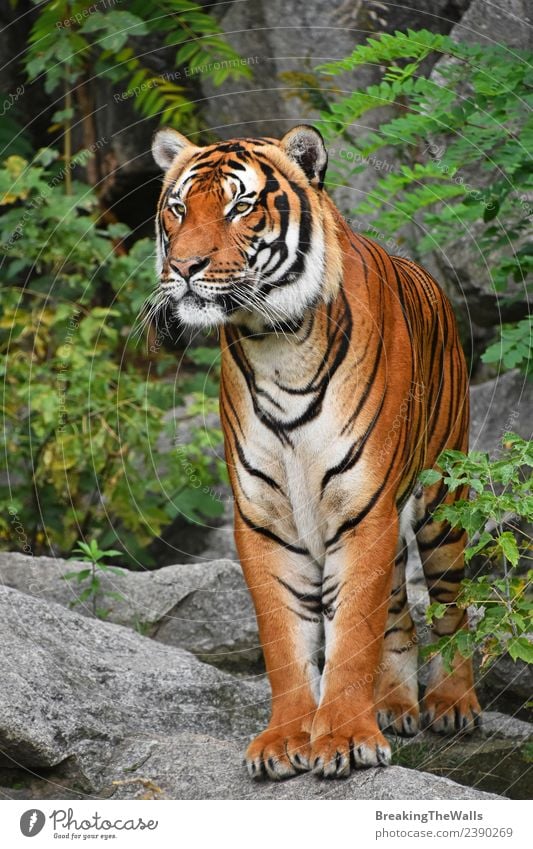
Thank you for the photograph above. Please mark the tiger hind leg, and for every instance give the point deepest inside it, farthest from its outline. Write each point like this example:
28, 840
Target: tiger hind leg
397, 685
450, 703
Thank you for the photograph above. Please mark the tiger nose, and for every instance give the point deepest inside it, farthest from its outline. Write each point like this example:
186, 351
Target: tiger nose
192, 265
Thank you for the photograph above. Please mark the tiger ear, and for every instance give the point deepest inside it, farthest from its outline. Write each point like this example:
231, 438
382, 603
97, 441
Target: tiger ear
166, 145
305, 146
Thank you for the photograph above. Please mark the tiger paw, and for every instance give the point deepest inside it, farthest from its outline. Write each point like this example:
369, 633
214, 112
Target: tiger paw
450, 704
446, 712
397, 707
278, 754
333, 755
399, 716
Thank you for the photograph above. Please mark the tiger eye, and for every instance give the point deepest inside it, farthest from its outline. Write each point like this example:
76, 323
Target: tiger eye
241, 207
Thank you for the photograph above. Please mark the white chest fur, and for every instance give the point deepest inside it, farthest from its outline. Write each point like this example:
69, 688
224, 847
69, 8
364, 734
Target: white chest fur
301, 509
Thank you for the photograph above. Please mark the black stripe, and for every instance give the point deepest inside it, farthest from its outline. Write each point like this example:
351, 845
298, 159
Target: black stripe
397, 628
354, 452
446, 537
247, 465
349, 524
270, 535
310, 601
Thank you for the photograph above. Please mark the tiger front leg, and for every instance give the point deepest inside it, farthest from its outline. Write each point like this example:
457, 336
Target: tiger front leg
287, 605
357, 585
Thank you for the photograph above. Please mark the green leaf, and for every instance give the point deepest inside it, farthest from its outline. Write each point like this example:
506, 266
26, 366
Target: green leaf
509, 547
435, 611
521, 648
76, 576
483, 541
85, 595
429, 476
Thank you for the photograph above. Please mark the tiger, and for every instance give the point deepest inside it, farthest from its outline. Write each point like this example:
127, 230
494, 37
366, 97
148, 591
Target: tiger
341, 378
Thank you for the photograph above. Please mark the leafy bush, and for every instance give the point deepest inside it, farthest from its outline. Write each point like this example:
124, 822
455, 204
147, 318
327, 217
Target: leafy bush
83, 406
475, 111
74, 43
502, 500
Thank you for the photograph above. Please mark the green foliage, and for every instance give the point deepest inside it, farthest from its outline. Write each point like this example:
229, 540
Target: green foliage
502, 497
92, 590
83, 406
72, 42
515, 346
475, 111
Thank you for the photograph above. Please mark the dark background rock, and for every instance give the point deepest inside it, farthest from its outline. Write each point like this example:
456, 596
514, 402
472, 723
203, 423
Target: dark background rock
463, 269
291, 38
506, 685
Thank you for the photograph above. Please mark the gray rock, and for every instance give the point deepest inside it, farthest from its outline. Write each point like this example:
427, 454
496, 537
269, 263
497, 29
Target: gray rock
285, 89
114, 714
69, 685
217, 773
496, 724
204, 607
187, 542
494, 764
489, 23
281, 56
499, 405
466, 277
197, 766
494, 759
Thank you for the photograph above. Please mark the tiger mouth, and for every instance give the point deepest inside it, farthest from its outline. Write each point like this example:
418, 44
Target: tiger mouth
191, 299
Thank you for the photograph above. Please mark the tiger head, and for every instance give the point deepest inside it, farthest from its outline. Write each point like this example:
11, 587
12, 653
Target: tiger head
245, 232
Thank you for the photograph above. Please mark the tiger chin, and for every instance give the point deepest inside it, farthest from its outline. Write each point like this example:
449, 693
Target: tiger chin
342, 376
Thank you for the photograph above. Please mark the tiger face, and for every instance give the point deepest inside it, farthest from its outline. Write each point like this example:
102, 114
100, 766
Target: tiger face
241, 231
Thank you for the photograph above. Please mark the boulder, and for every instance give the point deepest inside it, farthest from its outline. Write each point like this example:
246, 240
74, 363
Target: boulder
69, 685
198, 766
485, 22
282, 92
90, 707
217, 773
202, 607
499, 405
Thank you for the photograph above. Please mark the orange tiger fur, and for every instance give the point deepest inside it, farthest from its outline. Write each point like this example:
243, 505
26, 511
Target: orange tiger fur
342, 377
